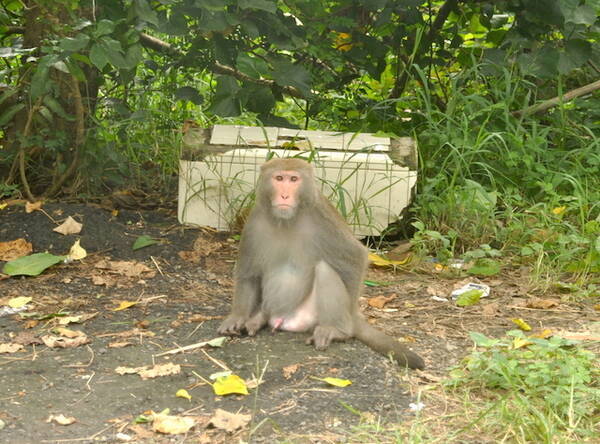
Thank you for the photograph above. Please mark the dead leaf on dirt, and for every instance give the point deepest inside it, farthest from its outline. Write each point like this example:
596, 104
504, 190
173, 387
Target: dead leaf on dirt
230, 385
118, 344
579, 335
172, 425
98, 279
31, 323
19, 302
129, 333
26, 338
141, 432
290, 370
61, 419
597, 307
202, 248
541, 303
69, 226
77, 252
380, 261
521, 324
79, 319
381, 300
126, 268
14, 249
148, 372
202, 318
229, 422
10, 347
68, 333
490, 309
30, 207
124, 305
58, 342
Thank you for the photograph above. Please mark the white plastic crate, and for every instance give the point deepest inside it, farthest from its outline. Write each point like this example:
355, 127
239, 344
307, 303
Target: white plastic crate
356, 172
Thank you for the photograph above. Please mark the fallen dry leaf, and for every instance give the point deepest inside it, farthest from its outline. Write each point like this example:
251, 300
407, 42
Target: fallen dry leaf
61, 419
490, 309
98, 279
290, 370
10, 348
579, 335
172, 425
118, 344
69, 226
14, 249
66, 320
380, 301
126, 268
77, 252
541, 303
202, 318
147, 372
26, 338
229, 422
68, 333
30, 207
58, 342
124, 305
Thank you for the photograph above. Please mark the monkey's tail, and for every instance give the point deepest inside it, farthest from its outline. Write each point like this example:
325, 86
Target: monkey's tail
386, 345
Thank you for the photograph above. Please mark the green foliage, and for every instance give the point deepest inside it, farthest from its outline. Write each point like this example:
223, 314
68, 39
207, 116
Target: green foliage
543, 387
31, 265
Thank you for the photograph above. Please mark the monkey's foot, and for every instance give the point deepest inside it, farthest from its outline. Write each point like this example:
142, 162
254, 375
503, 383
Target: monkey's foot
232, 325
323, 336
255, 323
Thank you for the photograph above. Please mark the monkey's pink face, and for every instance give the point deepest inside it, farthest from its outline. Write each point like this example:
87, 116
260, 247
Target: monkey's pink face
286, 190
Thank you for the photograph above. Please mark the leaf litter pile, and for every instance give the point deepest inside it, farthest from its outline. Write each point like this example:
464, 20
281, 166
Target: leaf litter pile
108, 326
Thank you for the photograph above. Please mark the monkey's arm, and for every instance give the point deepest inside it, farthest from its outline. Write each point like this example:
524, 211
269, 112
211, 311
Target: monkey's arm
245, 302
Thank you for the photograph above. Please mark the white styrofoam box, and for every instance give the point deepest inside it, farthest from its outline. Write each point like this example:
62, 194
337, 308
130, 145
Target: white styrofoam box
367, 187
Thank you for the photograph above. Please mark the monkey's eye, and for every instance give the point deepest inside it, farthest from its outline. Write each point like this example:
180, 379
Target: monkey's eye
278, 178
294, 178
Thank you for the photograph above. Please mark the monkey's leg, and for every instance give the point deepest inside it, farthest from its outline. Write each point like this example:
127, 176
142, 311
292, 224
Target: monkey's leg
256, 322
334, 308
245, 302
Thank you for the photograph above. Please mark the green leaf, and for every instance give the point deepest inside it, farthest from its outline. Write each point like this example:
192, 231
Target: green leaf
7, 115
583, 15
145, 12
98, 57
482, 340
258, 99
485, 267
190, 94
470, 297
144, 241
288, 74
75, 44
263, 5
31, 265
104, 27
40, 83
251, 66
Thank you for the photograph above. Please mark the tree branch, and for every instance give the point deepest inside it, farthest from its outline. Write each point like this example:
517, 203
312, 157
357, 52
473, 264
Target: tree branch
547, 104
161, 46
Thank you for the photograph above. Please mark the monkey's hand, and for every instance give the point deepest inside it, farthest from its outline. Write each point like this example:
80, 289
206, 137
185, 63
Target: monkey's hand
232, 325
323, 335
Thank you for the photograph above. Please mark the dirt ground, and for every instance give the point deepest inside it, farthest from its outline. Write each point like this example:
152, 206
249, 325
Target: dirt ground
181, 292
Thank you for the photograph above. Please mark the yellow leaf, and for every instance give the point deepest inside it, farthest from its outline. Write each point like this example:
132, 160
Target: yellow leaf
336, 382
520, 342
228, 385
19, 301
77, 252
124, 304
182, 393
558, 210
382, 262
343, 41
3, 206
544, 334
31, 207
522, 324
114, 213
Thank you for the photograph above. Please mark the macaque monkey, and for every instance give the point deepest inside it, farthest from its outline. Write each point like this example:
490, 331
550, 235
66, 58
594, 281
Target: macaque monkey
300, 268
